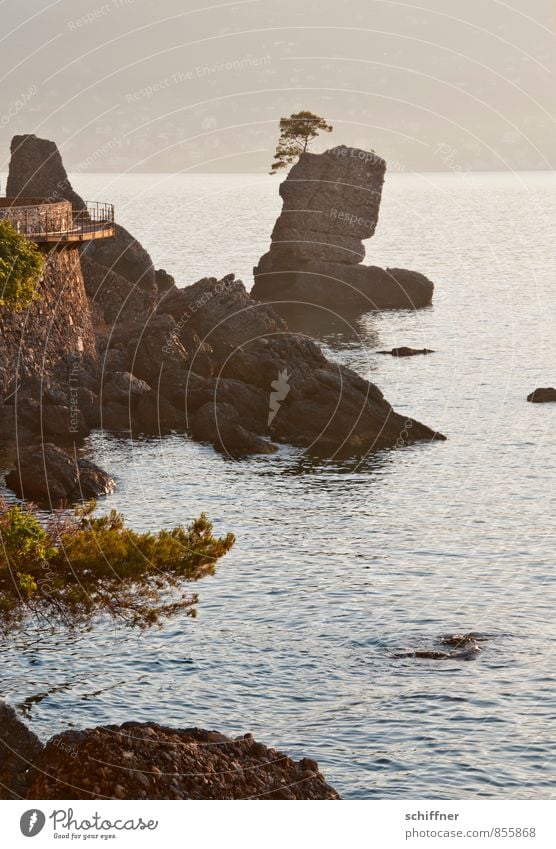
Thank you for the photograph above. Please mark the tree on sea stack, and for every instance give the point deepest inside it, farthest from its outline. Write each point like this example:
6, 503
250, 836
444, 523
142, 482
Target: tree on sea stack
296, 133
21, 267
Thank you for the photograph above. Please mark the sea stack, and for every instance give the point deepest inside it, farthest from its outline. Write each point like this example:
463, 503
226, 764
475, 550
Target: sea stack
331, 203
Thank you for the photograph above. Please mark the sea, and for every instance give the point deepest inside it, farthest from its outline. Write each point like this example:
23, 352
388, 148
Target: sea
338, 566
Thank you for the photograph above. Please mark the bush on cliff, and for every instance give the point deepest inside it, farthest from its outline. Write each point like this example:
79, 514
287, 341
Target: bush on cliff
78, 565
21, 267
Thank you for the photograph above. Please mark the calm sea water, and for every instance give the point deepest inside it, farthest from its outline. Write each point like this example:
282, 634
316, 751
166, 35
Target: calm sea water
337, 566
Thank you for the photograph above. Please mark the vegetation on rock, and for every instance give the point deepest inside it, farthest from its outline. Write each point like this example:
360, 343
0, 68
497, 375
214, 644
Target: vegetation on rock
21, 267
296, 133
77, 565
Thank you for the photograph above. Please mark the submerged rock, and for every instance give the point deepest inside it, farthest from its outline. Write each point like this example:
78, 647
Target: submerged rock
470, 651
149, 761
407, 352
542, 395
331, 203
49, 476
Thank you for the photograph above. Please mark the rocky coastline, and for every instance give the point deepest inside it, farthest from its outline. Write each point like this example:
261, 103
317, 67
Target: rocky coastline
114, 343
149, 761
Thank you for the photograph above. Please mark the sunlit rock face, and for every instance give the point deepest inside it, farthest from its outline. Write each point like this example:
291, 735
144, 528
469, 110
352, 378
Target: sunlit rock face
331, 203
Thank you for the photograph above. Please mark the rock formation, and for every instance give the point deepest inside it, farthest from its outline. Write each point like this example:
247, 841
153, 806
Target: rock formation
542, 395
48, 475
36, 170
331, 203
19, 747
270, 382
127, 350
149, 761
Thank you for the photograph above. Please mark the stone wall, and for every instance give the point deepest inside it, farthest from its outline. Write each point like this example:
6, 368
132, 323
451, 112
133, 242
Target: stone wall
55, 334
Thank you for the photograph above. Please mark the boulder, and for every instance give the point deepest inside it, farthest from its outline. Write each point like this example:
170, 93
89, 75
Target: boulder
48, 475
122, 387
543, 395
19, 747
164, 281
150, 761
218, 423
51, 421
331, 203
36, 170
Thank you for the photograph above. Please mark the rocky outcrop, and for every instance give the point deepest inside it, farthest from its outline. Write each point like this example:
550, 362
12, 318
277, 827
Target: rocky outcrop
206, 358
331, 204
36, 170
272, 383
49, 476
125, 256
149, 761
19, 747
115, 298
542, 395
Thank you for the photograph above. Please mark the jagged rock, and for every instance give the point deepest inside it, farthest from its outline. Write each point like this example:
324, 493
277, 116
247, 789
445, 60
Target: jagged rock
124, 255
406, 352
48, 475
164, 281
117, 299
220, 312
36, 170
542, 395
272, 382
19, 748
122, 387
149, 761
154, 348
331, 202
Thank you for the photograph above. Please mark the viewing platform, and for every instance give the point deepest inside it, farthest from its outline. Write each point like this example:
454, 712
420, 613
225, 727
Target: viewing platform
54, 222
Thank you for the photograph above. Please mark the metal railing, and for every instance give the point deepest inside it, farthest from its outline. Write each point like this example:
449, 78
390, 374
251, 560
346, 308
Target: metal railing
57, 222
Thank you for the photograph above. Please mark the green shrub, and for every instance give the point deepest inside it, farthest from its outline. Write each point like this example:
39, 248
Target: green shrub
80, 565
21, 267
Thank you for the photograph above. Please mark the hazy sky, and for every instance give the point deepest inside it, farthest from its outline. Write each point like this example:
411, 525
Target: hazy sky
171, 85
